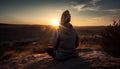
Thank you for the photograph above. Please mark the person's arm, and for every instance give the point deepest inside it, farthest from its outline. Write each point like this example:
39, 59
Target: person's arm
55, 40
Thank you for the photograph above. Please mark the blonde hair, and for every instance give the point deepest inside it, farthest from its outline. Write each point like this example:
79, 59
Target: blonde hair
65, 18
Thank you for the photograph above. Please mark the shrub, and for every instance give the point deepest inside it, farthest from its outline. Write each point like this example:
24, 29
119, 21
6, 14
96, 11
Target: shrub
111, 38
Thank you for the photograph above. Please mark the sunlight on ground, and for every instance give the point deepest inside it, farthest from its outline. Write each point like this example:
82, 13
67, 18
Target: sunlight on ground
55, 22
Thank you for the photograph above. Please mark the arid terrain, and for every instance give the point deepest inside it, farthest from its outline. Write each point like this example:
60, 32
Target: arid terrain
24, 47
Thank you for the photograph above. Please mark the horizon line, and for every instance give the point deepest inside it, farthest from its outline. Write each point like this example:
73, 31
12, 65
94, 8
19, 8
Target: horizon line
48, 24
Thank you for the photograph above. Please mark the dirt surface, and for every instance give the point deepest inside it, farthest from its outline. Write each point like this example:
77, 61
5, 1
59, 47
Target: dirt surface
88, 59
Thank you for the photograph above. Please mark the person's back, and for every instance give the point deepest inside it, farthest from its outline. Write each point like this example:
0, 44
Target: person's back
65, 39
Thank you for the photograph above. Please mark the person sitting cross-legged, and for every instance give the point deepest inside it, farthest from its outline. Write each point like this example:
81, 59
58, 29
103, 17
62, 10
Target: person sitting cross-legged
65, 40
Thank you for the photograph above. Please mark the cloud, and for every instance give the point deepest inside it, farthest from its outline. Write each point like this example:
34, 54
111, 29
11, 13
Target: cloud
112, 10
86, 6
94, 2
107, 7
83, 8
79, 7
91, 8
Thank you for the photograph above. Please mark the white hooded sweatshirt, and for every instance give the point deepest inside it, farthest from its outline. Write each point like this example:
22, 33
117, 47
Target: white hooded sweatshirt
65, 41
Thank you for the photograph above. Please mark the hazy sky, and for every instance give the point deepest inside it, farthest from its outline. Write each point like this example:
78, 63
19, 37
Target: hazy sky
83, 12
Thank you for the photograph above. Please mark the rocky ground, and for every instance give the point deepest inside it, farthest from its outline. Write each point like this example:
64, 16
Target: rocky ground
88, 59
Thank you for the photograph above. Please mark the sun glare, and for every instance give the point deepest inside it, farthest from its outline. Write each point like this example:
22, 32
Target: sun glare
55, 22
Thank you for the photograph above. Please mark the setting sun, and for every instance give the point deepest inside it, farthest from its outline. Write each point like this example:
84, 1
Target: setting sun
55, 22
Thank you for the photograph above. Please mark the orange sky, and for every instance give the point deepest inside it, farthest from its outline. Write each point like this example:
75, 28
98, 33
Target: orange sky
42, 12
45, 18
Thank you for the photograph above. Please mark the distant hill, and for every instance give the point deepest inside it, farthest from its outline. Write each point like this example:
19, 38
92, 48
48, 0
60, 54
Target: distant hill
11, 32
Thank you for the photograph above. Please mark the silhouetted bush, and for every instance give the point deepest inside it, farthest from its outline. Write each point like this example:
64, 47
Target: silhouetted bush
111, 39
